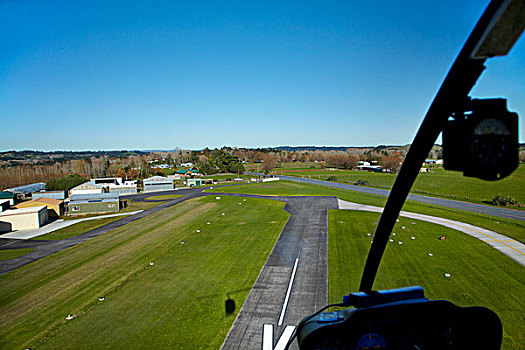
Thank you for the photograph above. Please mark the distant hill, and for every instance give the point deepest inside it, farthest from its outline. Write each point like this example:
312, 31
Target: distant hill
58, 156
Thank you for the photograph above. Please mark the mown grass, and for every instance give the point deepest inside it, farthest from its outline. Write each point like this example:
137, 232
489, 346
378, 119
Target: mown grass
14, 253
512, 228
76, 229
439, 182
480, 275
163, 197
176, 303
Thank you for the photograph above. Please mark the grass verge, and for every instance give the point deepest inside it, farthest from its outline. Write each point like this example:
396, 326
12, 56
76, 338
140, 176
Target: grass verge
14, 253
480, 275
164, 197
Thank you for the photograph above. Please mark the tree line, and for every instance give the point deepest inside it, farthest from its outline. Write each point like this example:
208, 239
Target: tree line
209, 161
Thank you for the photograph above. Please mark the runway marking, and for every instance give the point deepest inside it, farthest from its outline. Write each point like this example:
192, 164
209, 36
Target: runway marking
285, 304
267, 343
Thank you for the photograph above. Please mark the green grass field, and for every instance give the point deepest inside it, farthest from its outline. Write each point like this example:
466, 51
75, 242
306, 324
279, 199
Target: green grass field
76, 229
480, 275
440, 183
14, 253
512, 228
163, 197
176, 303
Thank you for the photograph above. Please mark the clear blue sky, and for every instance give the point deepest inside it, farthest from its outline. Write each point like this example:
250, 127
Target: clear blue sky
163, 74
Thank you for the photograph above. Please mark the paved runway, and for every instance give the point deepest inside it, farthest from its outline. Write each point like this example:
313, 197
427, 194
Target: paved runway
448, 203
304, 237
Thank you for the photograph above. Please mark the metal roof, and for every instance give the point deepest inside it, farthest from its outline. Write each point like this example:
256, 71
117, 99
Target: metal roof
20, 211
157, 178
5, 194
95, 197
28, 188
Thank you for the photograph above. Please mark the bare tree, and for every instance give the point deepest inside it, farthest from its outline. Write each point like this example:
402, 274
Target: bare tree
269, 162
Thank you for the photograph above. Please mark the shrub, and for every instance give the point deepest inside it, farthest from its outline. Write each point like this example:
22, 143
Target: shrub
65, 183
332, 178
504, 200
361, 182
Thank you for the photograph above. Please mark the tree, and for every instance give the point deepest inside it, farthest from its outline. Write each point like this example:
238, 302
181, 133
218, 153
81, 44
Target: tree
391, 163
121, 173
65, 183
269, 162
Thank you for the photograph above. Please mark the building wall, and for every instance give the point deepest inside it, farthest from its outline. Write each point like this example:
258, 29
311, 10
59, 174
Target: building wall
93, 207
4, 204
52, 209
26, 221
43, 217
99, 190
60, 195
158, 186
194, 182
123, 190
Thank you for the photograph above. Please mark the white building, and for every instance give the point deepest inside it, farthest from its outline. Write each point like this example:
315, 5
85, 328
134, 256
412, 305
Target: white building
87, 188
23, 218
116, 185
157, 183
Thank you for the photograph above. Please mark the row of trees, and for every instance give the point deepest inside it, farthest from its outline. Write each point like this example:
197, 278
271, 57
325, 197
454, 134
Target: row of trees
225, 159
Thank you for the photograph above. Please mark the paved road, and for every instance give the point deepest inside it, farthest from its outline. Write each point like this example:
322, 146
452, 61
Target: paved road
448, 203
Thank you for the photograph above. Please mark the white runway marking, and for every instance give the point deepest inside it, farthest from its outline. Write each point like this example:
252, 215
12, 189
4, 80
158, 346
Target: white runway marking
285, 304
267, 343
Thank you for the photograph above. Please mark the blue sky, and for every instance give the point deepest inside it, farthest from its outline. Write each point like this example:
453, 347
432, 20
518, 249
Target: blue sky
192, 74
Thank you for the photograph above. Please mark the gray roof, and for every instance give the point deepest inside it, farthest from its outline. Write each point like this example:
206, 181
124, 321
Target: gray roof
26, 189
158, 179
95, 197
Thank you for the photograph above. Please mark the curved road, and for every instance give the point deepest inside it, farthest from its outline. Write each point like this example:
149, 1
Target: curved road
448, 203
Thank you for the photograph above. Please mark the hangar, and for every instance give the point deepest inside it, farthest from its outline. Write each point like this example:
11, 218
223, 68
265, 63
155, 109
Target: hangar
49, 194
87, 188
158, 183
55, 207
93, 203
23, 219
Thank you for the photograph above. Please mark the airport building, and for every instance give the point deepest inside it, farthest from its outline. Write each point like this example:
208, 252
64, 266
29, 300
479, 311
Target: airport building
87, 188
4, 205
157, 183
8, 195
23, 219
55, 207
60, 195
91, 203
116, 185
